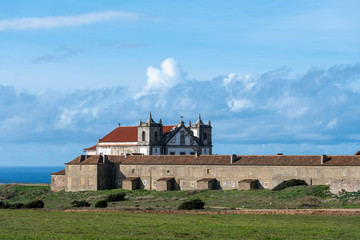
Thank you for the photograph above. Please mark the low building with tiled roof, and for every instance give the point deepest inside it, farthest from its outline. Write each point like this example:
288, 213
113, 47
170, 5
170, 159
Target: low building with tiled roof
178, 157
151, 138
191, 172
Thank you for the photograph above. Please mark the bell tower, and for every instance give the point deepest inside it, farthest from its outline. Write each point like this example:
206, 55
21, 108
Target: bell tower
150, 135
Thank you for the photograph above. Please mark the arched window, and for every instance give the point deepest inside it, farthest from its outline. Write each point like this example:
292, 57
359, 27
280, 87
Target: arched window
143, 135
205, 136
156, 136
182, 139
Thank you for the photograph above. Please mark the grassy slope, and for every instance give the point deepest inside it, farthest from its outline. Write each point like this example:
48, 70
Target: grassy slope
27, 224
294, 197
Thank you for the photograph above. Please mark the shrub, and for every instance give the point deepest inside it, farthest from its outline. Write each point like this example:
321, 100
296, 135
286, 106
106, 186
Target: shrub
34, 204
2, 204
115, 197
82, 203
101, 204
16, 205
6, 206
192, 204
289, 183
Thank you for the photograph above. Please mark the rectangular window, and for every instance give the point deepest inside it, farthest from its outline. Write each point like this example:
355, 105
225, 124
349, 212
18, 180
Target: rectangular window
208, 171
154, 183
168, 171
82, 181
233, 184
133, 170
182, 153
266, 185
192, 183
224, 183
172, 153
145, 182
183, 183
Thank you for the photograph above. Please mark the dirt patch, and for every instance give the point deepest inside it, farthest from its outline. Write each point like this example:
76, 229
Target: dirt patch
343, 212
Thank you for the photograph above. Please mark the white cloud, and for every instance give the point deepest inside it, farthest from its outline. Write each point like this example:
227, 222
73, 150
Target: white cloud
237, 105
332, 123
160, 80
274, 109
65, 21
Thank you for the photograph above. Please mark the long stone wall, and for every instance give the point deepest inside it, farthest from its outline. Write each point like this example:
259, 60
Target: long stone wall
82, 177
228, 176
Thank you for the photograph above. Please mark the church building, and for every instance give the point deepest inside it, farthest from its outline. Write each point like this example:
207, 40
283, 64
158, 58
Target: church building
151, 138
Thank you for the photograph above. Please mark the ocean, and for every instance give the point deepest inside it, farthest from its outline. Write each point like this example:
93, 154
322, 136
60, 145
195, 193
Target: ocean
27, 174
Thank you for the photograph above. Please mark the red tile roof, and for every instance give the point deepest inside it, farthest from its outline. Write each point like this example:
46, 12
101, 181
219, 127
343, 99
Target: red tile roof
122, 134
126, 134
267, 160
95, 159
61, 172
91, 148
342, 160
167, 128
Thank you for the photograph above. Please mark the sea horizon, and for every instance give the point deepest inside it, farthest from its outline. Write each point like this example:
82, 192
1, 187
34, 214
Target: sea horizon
27, 174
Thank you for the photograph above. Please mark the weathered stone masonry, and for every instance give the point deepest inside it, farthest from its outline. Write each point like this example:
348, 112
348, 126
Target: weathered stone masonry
188, 172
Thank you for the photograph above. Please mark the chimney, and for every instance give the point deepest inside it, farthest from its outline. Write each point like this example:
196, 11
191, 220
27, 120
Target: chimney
323, 159
103, 160
196, 154
233, 158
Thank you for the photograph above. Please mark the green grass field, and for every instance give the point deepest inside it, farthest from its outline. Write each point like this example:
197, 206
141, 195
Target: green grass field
291, 198
38, 224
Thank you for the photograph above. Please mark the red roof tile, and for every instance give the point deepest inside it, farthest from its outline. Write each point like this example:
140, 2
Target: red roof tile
166, 129
126, 134
122, 134
267, 160
91, 148
61, 172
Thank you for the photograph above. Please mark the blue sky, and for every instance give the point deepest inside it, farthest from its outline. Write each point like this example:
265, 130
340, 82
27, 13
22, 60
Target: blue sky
272, 76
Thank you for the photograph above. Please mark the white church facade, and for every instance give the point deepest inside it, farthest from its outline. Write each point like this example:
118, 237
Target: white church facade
151, 138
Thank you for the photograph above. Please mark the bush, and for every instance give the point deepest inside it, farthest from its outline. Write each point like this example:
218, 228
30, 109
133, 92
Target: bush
82, 203
192, 204
34, 204
16, 205
115, 197
101, 204
289, 183
6, 206
2, 204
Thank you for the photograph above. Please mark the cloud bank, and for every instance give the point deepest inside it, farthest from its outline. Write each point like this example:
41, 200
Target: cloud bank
318, 108
65, 21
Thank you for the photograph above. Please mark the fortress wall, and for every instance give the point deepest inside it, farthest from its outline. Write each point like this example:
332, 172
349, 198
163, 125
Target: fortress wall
58, 182
81, 177
228, 176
